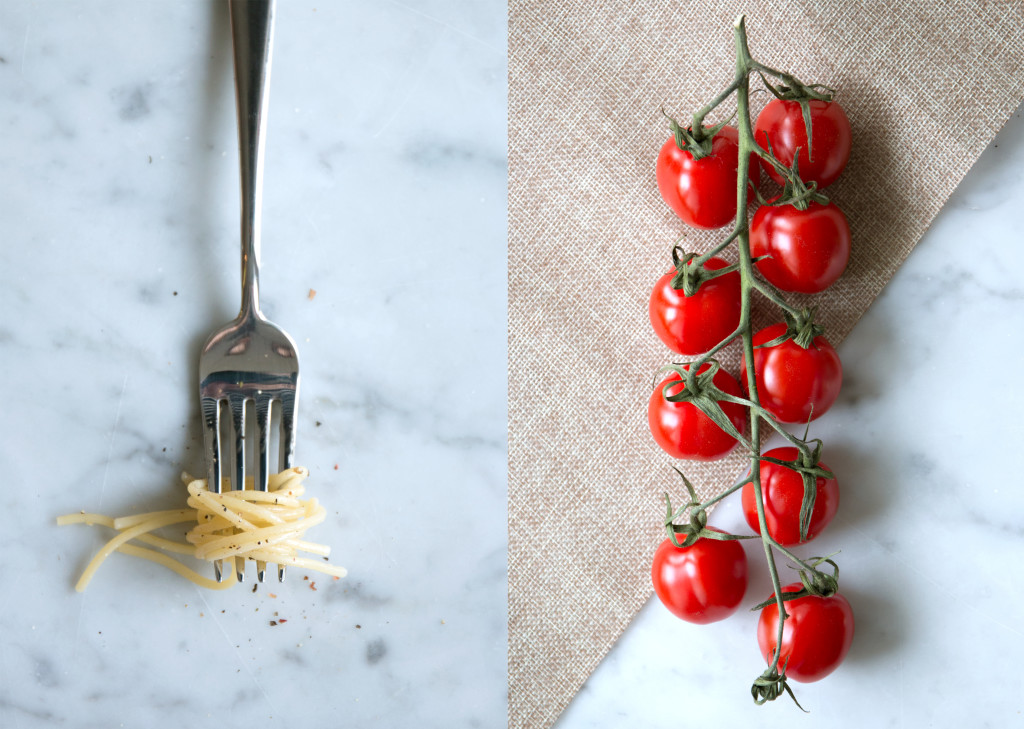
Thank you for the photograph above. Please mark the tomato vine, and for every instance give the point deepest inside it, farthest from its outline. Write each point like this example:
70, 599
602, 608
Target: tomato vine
686, 526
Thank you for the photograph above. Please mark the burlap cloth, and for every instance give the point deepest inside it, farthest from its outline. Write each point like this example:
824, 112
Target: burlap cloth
926, 86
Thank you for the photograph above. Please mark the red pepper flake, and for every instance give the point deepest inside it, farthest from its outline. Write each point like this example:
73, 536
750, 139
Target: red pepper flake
270, 594
312, 586
335, 466
336, 577
283, 620
312, 294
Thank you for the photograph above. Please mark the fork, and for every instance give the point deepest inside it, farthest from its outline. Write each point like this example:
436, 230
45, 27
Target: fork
250, 362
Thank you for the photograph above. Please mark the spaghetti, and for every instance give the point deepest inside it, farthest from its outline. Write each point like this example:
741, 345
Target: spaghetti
267, 526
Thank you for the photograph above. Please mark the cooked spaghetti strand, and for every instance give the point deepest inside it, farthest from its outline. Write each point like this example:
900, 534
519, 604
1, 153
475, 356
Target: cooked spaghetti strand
256, 525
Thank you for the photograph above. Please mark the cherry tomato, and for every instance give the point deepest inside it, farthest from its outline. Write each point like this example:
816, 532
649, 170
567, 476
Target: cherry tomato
783, 492
703, 192
683, 431
807, 249
815, 639
702, 583
783, 123
794, 383
694, 324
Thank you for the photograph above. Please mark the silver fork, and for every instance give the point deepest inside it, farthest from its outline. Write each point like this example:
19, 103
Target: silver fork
250, 361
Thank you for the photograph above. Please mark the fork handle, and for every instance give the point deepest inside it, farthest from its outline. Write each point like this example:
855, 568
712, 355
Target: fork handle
252, 38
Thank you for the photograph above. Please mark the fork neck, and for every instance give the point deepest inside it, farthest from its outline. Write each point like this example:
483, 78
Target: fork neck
252, 29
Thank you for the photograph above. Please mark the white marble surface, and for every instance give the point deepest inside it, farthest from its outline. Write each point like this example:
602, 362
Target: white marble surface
385, 192
925, 440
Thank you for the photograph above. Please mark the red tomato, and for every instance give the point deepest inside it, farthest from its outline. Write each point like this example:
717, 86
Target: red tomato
783, 492
791, 379
807, 249
783, 123
816, 637
683, 431
703, 191
702, 583
694, 324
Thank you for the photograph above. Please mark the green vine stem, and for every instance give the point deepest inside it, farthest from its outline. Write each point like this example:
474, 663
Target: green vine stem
772, 683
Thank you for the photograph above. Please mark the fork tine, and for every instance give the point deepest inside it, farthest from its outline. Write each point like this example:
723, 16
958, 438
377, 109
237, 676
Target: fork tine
262, 475
288, 404
211, 437
287, 453
237, 406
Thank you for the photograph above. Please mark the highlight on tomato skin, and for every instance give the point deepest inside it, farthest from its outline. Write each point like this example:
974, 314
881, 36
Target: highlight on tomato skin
816, 636
782, 123
692, 325
795, 384
683, 431
702, 192
702, 583
782, 490
803, 251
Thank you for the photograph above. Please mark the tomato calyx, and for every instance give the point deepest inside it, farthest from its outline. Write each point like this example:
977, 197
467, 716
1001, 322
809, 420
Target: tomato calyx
689, 277
814, 581
792, 89
800, 327
696, 142
807, 464
795, 191
770, 685
697, 520
700, 391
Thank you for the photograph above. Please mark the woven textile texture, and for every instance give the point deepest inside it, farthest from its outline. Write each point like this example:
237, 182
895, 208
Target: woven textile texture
926, 86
